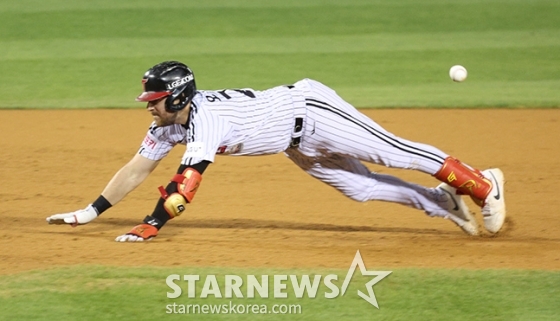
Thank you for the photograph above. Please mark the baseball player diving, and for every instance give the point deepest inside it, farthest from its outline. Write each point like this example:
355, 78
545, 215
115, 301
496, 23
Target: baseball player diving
315, 128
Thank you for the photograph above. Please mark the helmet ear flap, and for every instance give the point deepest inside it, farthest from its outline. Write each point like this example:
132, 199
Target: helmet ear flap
180, 97
176, 101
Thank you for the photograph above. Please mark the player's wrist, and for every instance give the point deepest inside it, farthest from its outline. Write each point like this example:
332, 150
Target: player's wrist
153, 221
101, 204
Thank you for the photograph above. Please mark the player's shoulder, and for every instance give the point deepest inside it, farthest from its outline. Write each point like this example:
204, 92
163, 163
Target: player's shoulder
154, 129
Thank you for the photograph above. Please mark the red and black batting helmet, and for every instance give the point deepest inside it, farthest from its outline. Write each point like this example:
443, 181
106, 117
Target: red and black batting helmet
170, 79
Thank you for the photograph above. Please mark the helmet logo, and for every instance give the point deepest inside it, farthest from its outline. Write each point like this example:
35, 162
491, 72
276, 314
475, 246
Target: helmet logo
180, 82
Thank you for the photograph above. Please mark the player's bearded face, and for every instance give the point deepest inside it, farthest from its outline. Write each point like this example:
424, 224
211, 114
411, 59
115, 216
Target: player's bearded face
160, 115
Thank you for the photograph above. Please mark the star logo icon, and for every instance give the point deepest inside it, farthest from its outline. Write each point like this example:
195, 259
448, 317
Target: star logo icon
358, 262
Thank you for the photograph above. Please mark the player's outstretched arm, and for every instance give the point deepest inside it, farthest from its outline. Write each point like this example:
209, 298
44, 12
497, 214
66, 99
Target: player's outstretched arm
128, 178
122, 183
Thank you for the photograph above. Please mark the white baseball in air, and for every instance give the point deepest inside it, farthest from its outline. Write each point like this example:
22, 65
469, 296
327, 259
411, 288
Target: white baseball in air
458, 73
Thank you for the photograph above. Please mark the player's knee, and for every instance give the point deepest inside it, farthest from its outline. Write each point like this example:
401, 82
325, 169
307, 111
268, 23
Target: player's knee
360, 197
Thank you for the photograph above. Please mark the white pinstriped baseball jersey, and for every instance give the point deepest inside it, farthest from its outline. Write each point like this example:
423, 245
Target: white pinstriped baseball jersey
231, 121
335, 138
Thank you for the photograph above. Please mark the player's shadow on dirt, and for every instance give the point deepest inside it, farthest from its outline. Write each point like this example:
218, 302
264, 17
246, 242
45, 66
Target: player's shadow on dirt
280, 225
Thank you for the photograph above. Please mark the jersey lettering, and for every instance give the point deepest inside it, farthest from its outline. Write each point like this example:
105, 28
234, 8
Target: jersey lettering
212, 98
149, 142
245, 92
195, 149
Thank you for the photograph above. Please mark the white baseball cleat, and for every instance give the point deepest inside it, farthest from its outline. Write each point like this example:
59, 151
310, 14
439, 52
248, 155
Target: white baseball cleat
458, 210
494, 209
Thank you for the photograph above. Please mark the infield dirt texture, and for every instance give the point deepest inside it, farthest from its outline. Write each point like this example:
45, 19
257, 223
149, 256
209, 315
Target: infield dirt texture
266, 212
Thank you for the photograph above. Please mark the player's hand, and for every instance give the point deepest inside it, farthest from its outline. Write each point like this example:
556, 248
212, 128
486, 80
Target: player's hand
139, 233
79, 217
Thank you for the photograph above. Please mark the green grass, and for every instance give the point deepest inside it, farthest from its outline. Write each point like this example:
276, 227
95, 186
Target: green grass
58, 53
117, 293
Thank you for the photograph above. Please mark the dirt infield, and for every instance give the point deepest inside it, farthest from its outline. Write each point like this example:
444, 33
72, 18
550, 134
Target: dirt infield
264, 211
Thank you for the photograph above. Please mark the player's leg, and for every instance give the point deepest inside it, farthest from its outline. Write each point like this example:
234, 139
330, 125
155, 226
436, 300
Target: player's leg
333, 124
356, 181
